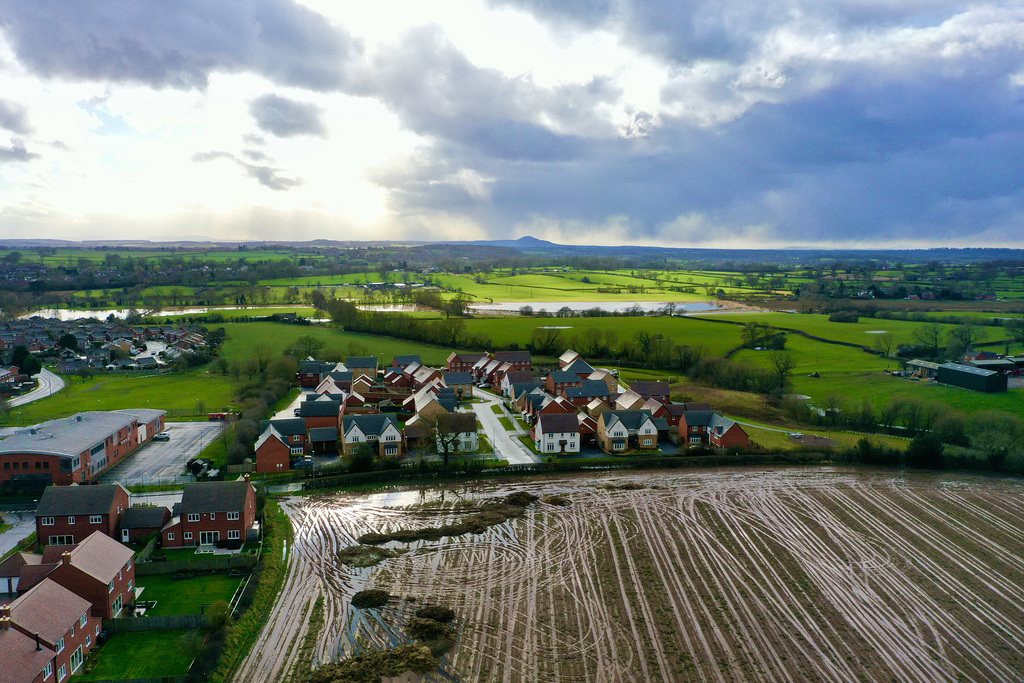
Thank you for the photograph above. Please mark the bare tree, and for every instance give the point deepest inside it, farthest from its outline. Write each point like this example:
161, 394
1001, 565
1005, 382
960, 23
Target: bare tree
963, 338
886, 344
782, 364
261, 356
930, 336
308, 346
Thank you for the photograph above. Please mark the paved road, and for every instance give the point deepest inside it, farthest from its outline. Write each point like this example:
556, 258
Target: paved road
164, 461
24, 522
505, 444
49, 384
289, 410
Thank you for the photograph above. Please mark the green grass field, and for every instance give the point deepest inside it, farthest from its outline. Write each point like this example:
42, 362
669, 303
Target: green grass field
244, 337
117, 392
186, 596
860, 332
879, 389
143, 654
682, 330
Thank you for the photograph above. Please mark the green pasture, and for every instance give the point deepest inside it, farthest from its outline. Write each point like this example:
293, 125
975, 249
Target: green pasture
120, 392
879, 389
142, 654
186, 596
814, 356
232, 313
682, 330
858, 333
244, 337
775, 440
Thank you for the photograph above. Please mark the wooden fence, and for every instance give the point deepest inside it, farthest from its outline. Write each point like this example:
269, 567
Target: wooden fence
168, 623
197, 564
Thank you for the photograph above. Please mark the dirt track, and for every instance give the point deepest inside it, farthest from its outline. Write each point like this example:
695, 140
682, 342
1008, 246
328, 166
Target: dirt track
723, 575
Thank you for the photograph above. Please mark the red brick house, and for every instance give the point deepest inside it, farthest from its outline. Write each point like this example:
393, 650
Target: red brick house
219, 513
520, 360
69, 514
59, 630
463, 362
99, 569
140, 521
710, 428
273, 452
725, 433
656, 390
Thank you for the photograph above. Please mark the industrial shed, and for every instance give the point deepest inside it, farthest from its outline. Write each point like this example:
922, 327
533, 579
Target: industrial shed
968, 377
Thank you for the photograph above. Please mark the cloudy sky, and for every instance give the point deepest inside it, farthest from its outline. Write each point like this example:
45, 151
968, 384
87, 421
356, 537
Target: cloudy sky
706, 123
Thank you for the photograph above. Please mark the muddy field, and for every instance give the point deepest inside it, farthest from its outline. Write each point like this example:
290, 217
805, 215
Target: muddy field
721, 575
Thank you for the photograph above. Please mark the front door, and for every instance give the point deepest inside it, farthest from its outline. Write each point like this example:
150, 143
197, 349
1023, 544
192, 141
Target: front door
124, 535
208, 537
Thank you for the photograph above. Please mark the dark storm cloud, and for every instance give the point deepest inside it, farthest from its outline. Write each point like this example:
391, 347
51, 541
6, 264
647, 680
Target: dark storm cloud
437, 91
177, 44
873, 158
286, 118
14, 117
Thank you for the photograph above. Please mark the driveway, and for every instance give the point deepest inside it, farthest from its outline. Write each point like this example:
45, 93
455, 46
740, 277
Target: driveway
24, 521
164, 461
289, 410
49, 384
505, 444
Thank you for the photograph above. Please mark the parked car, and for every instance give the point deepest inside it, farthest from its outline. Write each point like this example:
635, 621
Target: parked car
162, 436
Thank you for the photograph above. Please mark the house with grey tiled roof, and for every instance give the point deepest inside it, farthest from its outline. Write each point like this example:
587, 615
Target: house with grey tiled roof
221, 513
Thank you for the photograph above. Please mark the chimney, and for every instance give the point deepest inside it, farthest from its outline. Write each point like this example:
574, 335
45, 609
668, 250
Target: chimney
246, 477
5, 611
5, 623
65, 558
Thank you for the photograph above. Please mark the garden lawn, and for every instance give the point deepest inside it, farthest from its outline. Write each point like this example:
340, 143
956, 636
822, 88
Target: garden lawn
186, 596
143, 654
122, 392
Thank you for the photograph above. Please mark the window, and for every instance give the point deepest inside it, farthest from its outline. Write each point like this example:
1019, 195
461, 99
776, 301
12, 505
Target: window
72, 630
694, 439
62, 672
551, 446
71, 520
46, 521
170, 536
88, 641
131, 586
213, 515
233, 535
60, 646
128, 564
97, 629
391, 450
232, 516
85, 618
188, 535
95, 519
110, 587
648, 442
193, 517
62, 540
48, 670
117, 606
295, 450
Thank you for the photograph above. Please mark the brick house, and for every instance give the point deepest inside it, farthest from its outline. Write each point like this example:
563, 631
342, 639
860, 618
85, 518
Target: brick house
140, 521
365, 366
405, 361
586, 391
323, 411
46, 634
520, 360
693, 426
558, 380
461, 382
623, 430
66, 515
557, 433
273, 452
99, 569
219, 513
381, 431
725, 433
648, 389
463, 362
711, 428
